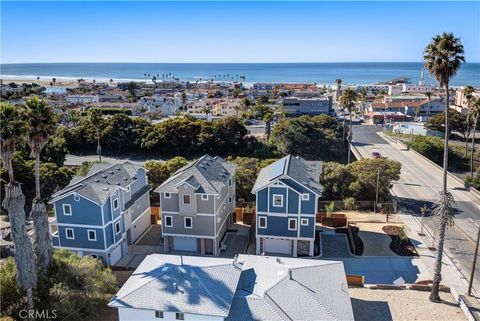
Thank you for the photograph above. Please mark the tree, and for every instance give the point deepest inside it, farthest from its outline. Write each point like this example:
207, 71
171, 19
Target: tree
338, 82
96, 120
13, 131
159, 172
468, 91
475, 110
457, 122
348, 101
443, 58
42, 123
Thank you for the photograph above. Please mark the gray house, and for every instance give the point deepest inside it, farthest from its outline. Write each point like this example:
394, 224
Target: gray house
246, 288
196, 205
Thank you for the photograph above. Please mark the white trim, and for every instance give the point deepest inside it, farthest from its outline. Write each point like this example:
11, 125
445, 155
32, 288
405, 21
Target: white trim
185, 222
90, 250
178, 213
307, 198
115, 228
287, 177
191, 235
66, 233
273, 200
169, 195
69, 207
283, 214
285, 237
302, 220
204, 197
259, 225
171, 220
94, 234
290, 220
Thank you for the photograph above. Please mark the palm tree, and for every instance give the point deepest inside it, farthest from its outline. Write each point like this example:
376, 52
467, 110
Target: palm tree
96, 119
429, 97
468, 91
338, 81
42, 123
347, 100
13, 128
443, 58
475, 109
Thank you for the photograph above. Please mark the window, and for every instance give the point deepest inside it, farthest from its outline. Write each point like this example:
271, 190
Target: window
304, 222
204, 197
229, 199
69, 233
186, 199
262, 222
305, 197
187, 222
277, 200
92, 235
167, 195
229, 182
179, 316
292, 224
159, 314
117, 227
168, 221
67, 209
115, 203
76, 198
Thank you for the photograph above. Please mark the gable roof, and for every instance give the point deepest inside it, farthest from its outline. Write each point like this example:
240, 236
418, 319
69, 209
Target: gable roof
101, 182
184, 284
306, 173
291, 289
249, 288
205, 175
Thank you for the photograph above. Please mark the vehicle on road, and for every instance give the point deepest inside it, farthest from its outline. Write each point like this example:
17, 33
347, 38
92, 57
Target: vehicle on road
376, 154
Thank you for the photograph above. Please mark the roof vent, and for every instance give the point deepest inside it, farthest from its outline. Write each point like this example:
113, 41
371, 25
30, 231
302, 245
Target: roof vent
118, 183
105, 188
279, 261
118, 168
125, 178
104, 176
290, 274
112, 172
174, 286
97, 180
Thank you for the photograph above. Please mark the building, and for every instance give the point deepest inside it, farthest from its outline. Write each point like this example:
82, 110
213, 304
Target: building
166, 104
414, 129
103, 212
197, 203
287, 193
170, 287
461, 99
82, 99
296, 106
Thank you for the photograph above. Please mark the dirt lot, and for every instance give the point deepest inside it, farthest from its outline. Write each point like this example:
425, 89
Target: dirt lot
402, 305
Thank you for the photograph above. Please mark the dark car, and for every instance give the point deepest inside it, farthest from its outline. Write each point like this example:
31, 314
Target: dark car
376, 155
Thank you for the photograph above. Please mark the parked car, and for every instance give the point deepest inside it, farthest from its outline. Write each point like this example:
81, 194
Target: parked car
376, 155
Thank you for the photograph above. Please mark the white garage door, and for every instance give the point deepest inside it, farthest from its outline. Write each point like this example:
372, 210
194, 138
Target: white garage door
116, 254
185, 244
277, 246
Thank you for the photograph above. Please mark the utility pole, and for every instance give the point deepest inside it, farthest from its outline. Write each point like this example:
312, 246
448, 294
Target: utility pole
376, 193
474, 263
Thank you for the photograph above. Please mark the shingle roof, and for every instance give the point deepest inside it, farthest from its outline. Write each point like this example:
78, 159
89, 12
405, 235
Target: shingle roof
248, 288
101, 181
291, 289
206, 175
181, 284
304, 172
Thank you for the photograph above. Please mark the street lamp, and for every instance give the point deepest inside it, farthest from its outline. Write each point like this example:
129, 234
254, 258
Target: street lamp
376, 192
474, 263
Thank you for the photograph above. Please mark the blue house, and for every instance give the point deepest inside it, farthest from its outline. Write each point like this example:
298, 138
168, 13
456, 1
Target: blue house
287, 193
101, 213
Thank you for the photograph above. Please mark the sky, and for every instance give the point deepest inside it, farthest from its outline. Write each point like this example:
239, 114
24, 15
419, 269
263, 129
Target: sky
33, 32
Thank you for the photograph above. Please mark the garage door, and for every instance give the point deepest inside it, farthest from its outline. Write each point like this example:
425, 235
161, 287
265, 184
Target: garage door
116, 254
185, 244
277, 246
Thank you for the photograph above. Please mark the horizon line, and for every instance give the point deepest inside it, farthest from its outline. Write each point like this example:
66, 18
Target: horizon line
193, 62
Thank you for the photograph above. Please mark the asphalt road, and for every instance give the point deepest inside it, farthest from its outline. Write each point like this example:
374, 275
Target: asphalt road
419, 185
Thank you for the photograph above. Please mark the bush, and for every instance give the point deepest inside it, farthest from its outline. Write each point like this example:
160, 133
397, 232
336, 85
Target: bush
75, 287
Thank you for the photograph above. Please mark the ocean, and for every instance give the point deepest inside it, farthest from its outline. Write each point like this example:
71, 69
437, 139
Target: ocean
320, 73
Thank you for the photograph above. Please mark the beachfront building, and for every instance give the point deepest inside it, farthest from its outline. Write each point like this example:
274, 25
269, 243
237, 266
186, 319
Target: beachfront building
287, 193
461, 102
103, 212
247, 287
297, 106
166, 104
81, 99
197, 203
